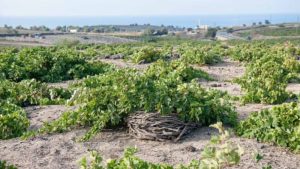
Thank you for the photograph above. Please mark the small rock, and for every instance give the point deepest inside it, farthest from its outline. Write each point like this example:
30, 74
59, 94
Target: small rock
201, 80
216, 85
44, 138
262, 146
190, 148
57, 152
114, 156
116, 56
175, 56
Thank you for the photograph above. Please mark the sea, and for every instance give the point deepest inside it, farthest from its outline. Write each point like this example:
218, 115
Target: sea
179, 21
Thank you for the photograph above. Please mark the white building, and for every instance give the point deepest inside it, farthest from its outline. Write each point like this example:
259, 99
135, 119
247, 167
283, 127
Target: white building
203, 27
73, 30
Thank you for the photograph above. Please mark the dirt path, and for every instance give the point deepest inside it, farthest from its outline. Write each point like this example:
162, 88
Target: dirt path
232, 88
41, 114
224, 71
21, 43
294, 88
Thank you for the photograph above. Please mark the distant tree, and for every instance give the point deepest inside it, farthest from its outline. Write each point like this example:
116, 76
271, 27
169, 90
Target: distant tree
39, 28
229, 30
44, 28
64, 28
114, 29
8, 27
211, 33
96, 30
102, 30
267, 22
189, 29
260, 23
59, 28
149, 32
161, 32
86, 29
133, 24
254, 24
244, 25
164, 31
72, 27
171, 27
34, 28
20, 27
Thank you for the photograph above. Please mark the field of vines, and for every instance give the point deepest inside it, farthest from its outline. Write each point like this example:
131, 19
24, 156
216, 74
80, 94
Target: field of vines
106, 95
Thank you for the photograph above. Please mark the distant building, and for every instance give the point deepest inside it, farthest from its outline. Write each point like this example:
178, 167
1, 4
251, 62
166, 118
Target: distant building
203, 27
73, 30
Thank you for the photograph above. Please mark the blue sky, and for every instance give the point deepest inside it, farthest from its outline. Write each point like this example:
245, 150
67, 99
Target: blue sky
145, 7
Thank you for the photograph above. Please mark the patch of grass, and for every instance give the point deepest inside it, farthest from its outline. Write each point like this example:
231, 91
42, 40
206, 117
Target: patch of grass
290, 31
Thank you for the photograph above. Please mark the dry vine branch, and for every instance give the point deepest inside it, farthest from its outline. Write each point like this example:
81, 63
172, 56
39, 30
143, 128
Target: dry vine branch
154, 126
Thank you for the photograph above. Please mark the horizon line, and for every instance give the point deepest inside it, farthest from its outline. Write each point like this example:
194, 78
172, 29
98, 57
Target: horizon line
162, 15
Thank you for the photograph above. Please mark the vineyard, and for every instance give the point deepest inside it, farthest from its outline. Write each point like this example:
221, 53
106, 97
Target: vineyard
59, 104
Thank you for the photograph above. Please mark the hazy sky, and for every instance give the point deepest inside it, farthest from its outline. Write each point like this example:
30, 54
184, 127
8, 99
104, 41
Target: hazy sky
144, 7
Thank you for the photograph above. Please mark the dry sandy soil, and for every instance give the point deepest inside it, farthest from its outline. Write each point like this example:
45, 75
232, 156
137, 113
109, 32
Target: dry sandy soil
56, 39
8, 43
62, 151
122, 64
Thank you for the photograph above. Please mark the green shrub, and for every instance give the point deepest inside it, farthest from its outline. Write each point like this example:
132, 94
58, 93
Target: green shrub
108, 99
31, 92
4, 165
13, 121
196, 54
176, 70
279, 125
266, 78
250, 52
247, 52
47, 64
146, 54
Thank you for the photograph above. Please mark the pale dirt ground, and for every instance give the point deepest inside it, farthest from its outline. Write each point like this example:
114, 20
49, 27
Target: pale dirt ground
63, 85
122, 64
62, 151
9, 43
50, 40
225, 71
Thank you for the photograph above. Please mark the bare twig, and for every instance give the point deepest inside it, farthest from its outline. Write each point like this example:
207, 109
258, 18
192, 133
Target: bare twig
154, 126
